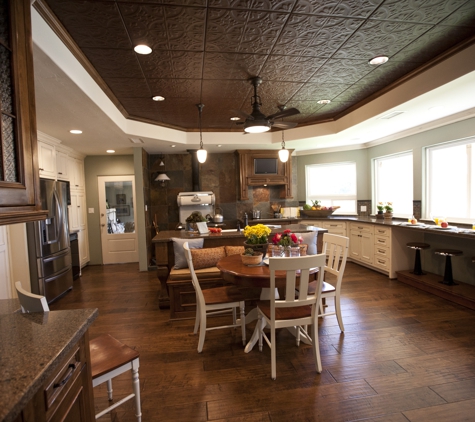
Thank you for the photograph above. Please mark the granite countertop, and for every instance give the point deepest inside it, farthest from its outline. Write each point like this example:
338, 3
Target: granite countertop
31, 348
166, 235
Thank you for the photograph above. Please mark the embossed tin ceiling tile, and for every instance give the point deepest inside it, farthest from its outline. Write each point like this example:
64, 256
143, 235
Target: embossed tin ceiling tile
290, 68
100, 25
341, 8
315, 36
428, 11
356, 93
380, 37
316, 91
136, 105
464, 16
342, 71
176, 88
225, 29
172, 64
230, 4
232, 65
113, 63
217, 89
128, 87
384, 77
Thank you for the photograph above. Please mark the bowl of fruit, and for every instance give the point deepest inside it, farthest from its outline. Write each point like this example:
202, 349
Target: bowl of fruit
316, 210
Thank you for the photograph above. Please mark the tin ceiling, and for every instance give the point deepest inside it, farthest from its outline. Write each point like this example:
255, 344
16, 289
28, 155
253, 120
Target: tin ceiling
205, 51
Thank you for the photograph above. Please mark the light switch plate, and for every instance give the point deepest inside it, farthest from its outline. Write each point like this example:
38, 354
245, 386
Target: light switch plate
363, 208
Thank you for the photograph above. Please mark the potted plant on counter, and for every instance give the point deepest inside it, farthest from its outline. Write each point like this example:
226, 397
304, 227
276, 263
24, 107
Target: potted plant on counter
257, 238
388, 208
380, 208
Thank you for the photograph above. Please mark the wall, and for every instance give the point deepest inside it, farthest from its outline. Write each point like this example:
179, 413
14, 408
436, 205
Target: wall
363, 157
94, 166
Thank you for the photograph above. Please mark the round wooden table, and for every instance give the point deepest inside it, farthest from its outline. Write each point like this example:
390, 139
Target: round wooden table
234, 271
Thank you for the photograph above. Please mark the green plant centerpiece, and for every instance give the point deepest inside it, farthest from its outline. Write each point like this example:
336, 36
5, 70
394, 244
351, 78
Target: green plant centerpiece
257, 238
192, 219
251, 257
388, 210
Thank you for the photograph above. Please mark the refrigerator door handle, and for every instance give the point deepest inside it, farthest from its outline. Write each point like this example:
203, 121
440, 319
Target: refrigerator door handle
57, 220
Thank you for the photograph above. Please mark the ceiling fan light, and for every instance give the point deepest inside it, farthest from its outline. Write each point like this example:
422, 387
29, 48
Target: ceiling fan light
257, 126
284, 155
201, 154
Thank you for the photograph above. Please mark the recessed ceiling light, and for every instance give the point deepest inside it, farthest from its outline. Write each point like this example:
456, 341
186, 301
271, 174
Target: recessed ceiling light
235, 118
110, 151
142, 49
158, 98
378, 60
173, 146
219, 146
76, 131
323, 101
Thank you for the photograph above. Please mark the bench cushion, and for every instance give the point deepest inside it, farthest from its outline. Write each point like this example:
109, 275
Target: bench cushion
180, 260
184, 274
207, 257
234, 250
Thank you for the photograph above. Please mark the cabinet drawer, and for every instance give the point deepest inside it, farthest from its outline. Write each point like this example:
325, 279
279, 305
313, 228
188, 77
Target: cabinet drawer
381, 251
382, 231
381, 241
381, 262
365, 228
334, 225
339, 232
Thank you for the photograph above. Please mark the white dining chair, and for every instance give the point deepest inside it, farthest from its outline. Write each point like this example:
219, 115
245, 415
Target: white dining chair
298, 311
335, 247
109, 357
215, 301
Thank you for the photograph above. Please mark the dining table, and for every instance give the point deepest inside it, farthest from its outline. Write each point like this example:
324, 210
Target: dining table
234, 271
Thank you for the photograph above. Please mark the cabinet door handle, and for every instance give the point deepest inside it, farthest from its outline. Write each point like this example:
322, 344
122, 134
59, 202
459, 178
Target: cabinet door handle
381, 251
41, 169
71, 368
59, 172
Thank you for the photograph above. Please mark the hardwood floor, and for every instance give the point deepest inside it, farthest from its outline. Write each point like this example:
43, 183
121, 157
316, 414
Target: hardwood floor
406, 355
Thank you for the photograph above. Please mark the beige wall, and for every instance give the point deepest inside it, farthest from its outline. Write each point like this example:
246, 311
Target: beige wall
94, 166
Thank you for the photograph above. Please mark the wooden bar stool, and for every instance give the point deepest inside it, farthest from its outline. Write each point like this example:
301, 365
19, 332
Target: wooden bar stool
418, 246
448, 253
110, 358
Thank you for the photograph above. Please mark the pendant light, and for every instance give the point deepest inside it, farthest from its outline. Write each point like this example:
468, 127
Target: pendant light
283, 153
201, 153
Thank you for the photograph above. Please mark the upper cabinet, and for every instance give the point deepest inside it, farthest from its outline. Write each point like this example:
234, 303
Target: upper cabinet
263, 168
19, 181
47, 160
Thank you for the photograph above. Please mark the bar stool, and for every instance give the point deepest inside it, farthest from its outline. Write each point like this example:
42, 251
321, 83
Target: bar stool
417, 263
448, 253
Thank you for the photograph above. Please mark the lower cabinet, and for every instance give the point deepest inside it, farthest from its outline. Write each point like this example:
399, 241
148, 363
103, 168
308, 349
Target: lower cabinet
67, 394
83, 248
361, 242
382, 248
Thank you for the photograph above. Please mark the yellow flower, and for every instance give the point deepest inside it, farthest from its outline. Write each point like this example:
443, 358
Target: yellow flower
257, 234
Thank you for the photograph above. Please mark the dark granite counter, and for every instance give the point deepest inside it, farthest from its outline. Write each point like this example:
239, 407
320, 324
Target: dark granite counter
31, 347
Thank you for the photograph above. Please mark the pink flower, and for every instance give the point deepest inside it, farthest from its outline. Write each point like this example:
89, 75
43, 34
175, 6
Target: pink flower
293, 236
287, 231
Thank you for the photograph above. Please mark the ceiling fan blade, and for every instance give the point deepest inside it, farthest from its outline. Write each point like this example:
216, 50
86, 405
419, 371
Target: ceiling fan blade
284, 125
242, 114
283, 113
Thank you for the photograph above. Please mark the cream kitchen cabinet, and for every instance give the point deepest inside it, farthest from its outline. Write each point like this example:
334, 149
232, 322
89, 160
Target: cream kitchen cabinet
83, 243
362, 243
77, 174
382, 248
77, 211
47, 160
63, 165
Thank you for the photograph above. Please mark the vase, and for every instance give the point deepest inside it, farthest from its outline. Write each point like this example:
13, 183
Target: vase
285, 251
388, 215
258, 247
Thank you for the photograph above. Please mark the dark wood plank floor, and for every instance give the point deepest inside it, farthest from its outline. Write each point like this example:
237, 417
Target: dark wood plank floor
406, 355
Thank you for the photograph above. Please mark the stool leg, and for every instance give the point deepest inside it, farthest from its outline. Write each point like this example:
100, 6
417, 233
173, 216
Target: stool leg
448, 279
136, 386
417, 263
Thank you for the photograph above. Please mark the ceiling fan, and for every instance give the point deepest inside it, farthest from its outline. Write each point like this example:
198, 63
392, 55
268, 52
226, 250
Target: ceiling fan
257, 122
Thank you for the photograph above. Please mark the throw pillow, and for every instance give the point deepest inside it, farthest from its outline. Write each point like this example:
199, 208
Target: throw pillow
234, 250
180, 260
207, 257
310, 239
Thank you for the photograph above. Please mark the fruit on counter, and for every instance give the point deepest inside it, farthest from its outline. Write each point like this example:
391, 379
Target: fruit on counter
307, 207
413, 220
215, 229
444, 224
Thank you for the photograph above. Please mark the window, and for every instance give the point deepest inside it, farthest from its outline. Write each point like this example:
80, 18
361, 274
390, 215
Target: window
450, 181
393, 182
333, 184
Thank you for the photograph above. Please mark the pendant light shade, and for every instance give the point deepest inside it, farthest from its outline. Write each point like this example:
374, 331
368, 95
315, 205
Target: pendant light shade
162, 178
201, 153
283, 153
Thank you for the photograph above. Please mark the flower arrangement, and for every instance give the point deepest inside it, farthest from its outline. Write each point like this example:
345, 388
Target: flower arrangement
387, 207
257, 235
287, 238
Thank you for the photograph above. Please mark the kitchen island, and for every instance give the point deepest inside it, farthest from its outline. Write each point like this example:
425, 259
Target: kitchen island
35, 350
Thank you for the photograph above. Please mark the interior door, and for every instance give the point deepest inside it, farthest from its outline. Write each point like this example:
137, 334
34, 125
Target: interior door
118, 216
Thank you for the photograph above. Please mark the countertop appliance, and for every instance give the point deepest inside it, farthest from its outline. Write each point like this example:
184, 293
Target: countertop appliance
49, 250
194, 201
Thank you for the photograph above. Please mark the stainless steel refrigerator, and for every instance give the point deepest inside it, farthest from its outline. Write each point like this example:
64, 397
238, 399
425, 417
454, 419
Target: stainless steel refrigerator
48, 243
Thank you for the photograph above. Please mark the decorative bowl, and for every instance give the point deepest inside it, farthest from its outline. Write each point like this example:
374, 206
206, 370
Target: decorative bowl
317, 213
252, 259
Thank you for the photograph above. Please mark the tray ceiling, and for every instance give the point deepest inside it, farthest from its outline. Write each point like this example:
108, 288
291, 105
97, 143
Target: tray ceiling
205, 51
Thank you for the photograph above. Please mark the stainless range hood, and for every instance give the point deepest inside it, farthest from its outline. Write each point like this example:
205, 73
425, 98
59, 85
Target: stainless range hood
189, 202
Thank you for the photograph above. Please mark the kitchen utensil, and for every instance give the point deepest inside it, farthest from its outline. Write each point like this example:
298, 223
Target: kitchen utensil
218, 215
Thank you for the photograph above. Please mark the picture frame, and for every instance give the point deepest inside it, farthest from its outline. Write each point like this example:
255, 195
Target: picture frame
121, 199
122, 210
202, 227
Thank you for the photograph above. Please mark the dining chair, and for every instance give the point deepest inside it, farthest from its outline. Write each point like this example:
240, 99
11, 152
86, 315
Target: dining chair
215, 301
335, 247
109, 357
298, 311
